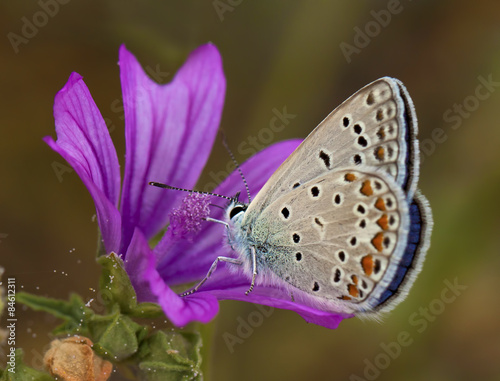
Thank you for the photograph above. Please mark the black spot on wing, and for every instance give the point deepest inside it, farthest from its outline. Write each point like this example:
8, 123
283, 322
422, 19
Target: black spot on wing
326, 158
285, 212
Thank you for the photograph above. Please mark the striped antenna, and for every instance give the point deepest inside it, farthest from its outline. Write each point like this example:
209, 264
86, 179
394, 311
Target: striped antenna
224, 141
160, 185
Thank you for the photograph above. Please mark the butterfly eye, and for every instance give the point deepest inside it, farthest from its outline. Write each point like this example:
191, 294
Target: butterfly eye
236, 210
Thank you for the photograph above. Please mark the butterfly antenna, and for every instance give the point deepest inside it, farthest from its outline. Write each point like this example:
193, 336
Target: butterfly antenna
160, 185
226, 146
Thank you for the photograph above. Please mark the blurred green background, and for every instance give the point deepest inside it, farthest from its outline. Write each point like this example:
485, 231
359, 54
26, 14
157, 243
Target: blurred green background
276, 54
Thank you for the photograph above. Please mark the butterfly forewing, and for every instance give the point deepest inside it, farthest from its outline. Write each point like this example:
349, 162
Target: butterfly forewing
335, 236
375, 127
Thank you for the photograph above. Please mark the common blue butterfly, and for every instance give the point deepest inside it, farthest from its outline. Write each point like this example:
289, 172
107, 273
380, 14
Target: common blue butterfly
341, 220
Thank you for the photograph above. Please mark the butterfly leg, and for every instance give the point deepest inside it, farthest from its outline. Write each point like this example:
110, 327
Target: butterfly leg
212, 269
254, 270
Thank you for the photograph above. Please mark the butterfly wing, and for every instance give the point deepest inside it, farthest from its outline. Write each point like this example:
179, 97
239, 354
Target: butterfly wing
375, 127
338, 237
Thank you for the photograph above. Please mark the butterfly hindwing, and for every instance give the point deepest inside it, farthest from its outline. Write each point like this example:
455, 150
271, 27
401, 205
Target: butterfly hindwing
336, 236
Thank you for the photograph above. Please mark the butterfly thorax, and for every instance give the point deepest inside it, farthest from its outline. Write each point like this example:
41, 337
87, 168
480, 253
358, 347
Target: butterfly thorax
241, 238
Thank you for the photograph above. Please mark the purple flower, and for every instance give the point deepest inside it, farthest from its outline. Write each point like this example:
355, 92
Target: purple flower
170, 130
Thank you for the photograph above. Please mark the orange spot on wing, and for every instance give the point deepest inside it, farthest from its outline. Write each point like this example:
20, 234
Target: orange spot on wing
353, 290
377, 241
350, 177
366, 189
381, 133
383, 222
354, 279
380, 204
367, 264
344, 297
379, 152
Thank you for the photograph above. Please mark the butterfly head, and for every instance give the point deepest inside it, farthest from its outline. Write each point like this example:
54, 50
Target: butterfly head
235, 211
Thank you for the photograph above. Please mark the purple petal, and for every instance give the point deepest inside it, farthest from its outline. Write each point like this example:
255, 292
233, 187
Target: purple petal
83, 141
149, 287
226, 284
136, 264
170, 130
181, 311
143, 274
185, 261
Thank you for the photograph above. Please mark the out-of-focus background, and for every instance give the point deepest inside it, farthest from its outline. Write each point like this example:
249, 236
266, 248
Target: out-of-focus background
308, 57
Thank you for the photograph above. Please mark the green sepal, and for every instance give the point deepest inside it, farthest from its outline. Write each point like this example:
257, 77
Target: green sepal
173, 356
74, 312
116, 289
22, 371
115, 285
116, 336
147, 310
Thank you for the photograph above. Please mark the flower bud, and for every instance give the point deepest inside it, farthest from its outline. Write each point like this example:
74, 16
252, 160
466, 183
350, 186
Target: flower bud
73, 359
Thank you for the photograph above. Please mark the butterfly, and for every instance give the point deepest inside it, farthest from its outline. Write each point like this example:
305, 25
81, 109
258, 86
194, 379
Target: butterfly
341, 222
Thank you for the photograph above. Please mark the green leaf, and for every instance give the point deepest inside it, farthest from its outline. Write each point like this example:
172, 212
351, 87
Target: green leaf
115, 285
172, 356
21, 372
74, 312
116, 336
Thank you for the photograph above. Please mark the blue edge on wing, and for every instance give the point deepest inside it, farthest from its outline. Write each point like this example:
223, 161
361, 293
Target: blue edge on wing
414, 238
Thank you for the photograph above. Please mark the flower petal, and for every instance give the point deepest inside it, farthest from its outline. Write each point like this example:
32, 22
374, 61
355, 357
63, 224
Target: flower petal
230, 285
83, 140
186, 261
140, 265
178, 121
181, 311
136, 264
